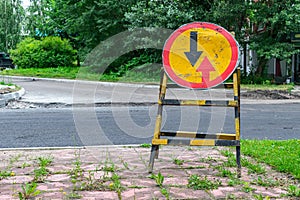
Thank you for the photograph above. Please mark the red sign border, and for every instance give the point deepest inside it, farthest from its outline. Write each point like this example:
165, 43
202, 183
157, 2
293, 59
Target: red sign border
224, 76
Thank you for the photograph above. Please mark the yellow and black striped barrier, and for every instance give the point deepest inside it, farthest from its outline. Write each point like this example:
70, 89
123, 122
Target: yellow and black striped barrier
194, 138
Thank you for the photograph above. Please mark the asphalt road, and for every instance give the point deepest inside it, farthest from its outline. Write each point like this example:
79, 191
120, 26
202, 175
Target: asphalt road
60, 127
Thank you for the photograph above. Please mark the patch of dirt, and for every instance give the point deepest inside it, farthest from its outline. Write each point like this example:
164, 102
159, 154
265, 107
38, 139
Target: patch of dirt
6, 90
269, 94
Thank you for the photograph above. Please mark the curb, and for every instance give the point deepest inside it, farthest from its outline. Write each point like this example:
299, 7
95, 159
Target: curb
139, 85
5, 98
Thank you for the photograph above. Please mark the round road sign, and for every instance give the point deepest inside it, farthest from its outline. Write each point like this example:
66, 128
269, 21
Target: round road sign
200, 55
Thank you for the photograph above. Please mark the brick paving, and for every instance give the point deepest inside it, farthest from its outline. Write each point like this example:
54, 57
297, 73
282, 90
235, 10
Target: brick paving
117, 172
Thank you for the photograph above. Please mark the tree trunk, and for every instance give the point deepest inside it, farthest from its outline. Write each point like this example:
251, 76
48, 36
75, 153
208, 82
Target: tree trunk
262, 63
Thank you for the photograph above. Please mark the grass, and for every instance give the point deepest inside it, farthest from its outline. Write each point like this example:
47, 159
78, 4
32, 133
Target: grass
83, 73
286, 87
60, 72
142, 74
284, 156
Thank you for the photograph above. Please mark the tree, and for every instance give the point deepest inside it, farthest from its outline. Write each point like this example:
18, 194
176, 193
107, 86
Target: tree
84, 22
273, 21
264, 24
11, 16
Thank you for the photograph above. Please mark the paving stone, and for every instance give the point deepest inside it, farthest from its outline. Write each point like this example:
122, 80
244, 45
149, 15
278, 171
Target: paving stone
16, 180
96, 195
131, 165
58, 177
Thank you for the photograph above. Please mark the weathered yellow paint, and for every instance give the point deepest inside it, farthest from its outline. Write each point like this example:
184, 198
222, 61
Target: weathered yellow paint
193, 102
237, 128
159, 102
202, 143
235, 85
232, 103
163, 85
214, 46
186, 134
157, 127
159, 141
297, 36
226, 136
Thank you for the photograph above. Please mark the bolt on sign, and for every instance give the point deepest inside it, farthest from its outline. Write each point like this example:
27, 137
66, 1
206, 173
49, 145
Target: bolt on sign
200, 55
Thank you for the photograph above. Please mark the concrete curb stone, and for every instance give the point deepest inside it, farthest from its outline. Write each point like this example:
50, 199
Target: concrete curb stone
5, 98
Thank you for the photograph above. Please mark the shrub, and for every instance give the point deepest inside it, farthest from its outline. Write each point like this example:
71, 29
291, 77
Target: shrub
49, 52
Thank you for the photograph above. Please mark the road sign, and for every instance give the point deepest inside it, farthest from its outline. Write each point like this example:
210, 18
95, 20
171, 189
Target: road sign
200, 55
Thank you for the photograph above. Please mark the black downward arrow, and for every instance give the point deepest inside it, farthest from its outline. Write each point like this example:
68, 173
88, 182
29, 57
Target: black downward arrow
193, 55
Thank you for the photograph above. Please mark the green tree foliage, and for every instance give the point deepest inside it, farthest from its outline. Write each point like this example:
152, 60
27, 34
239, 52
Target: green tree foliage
273, 21
230, 14
84, 22
49, 52
11, 16
265, 24
161, 14
39, 18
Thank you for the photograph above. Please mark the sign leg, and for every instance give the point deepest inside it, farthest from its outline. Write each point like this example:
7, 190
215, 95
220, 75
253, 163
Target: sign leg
238, 161
154, 154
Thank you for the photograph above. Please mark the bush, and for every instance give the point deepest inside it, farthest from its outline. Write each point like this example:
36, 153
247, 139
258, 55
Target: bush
49, 52
132, 60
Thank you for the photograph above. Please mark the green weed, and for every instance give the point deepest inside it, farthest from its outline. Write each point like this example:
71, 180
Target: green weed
45, 161
197, 183
42, 171
293, 191
136, 186
24, 165
177, 161
224, 172
159, 179
265, 182
145, 145
247, 188
253, 167
196, 167
28, 191
116, 185
109, 167
5, 174
125, 164
165, 192
227, 153
230, 196
261, 197
234, 181
74, 195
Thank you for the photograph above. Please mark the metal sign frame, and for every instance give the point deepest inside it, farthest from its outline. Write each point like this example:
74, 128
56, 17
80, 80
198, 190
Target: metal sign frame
193, 138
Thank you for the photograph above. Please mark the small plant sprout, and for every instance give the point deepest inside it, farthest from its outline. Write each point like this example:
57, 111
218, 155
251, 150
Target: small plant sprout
293, 191
159, 179
247, 188
4, 174
197, 183
29, 191
145, 145
178, 161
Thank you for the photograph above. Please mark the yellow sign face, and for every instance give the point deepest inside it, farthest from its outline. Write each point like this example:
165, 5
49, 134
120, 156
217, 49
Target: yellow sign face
200, 55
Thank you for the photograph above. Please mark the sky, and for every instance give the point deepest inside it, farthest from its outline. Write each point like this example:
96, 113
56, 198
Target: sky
25, 3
